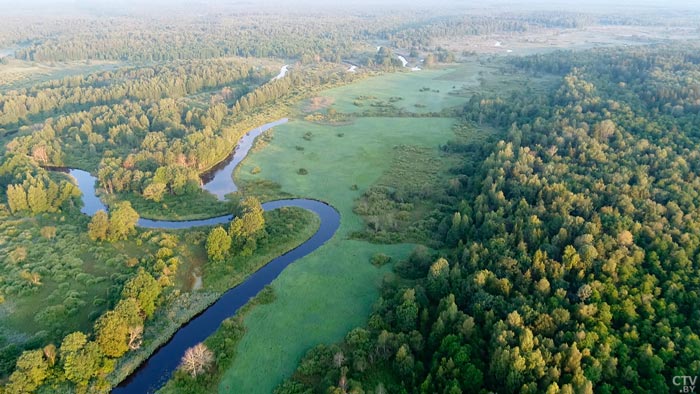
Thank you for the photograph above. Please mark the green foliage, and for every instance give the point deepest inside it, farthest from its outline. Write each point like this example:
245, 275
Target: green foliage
32, 368
98, 226
38, 193
144, 289
56, 284
247, 227
284, 228
113, 328
81, 360
218, 244
48, 232
401, 207
154, 191
122, 221
380, 259
17, 198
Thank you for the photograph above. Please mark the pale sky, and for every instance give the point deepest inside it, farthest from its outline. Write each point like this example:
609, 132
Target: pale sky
159, 6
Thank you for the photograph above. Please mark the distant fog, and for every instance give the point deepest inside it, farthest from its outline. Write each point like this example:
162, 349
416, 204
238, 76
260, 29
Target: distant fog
164, 7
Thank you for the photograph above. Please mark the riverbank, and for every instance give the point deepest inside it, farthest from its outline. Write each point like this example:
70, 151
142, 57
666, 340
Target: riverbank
186, 306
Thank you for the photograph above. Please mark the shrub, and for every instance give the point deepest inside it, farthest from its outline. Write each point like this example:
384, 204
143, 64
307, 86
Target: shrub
380, 259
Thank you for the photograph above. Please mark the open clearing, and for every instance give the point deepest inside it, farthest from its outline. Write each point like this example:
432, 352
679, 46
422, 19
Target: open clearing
323, 295
419, 92
18, 73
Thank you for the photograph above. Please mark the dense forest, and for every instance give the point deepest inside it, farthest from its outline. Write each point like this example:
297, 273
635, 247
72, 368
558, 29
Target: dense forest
144, 130
320, 36
570, 262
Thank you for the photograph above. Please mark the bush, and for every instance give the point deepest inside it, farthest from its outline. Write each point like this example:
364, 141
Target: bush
380, 259
302, 171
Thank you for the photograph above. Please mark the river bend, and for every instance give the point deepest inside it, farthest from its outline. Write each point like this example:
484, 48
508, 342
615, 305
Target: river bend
155, 371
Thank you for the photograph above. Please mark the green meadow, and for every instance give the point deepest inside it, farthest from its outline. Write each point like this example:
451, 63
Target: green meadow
320, 297
420, 91
330, 291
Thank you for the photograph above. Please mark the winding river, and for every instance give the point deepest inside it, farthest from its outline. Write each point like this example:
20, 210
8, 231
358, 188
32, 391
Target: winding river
218, 182
155, 371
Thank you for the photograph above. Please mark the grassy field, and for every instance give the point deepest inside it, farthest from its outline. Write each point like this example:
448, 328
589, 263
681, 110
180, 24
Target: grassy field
422, 91
19, 73
330, 291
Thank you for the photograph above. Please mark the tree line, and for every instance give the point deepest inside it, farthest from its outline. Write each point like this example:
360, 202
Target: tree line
72, 94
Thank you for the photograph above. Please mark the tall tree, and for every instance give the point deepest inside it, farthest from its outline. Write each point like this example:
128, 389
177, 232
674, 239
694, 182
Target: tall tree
218, 244
144, 289
82, 360
32, 368
112, 329
247, 226
122, 221
197, 359
98, 226
17, 198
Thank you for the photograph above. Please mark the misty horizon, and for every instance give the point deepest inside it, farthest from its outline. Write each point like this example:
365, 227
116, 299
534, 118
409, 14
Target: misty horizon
163, 7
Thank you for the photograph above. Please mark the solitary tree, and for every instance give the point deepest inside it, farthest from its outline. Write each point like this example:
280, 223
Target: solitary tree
197, 359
